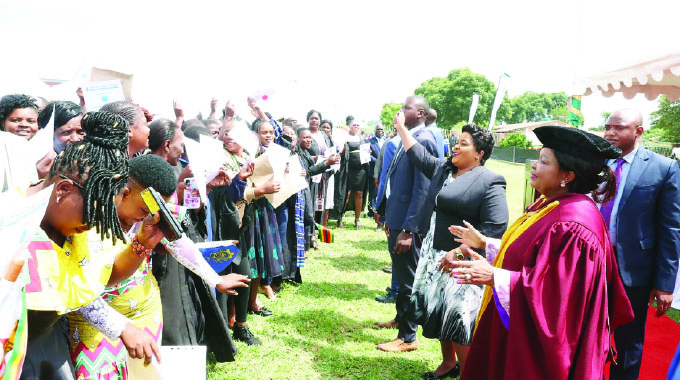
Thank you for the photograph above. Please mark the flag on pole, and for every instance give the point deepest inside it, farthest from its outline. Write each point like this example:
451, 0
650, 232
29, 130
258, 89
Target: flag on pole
574, 109
473, 107
500, 94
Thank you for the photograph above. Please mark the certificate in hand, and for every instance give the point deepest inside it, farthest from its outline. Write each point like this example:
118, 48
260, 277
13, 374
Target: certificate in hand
365, 153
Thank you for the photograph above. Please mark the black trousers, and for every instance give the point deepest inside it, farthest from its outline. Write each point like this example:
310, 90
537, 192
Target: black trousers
404, 270
242, 294
630, 337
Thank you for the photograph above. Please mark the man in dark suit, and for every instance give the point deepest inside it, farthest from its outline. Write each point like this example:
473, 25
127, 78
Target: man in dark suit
406, 194
644, 227
376, 142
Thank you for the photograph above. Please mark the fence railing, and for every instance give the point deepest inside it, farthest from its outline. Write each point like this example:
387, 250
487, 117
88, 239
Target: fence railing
514, 154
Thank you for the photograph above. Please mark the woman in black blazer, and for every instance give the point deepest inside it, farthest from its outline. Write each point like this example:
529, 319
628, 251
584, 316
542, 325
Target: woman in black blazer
461, 188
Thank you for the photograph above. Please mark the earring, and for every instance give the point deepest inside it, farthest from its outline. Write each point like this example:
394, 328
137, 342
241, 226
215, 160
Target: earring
563, 184
58, 198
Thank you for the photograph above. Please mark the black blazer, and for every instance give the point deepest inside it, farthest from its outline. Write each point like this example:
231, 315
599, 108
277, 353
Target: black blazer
480, 194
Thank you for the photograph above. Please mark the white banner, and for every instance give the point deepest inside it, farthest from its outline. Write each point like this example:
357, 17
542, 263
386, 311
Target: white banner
500, 94
473, 107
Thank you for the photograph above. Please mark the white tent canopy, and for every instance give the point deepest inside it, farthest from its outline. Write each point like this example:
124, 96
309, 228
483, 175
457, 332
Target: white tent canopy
652, 78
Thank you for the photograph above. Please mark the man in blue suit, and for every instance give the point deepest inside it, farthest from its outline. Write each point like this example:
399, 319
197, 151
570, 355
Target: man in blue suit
644, 227
431, 125
406, 192
376, 141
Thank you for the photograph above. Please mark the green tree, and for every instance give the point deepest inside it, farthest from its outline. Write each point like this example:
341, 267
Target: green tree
605, 116
389, 110
667, 118
532, 106
654, 135
452, 96
516, 139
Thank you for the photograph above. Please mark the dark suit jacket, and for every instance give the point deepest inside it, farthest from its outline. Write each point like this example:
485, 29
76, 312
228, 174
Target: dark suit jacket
408, 187
375, 151
480, 195
648, 222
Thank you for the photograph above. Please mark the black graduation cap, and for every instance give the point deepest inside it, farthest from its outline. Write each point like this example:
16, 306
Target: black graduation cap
577, 143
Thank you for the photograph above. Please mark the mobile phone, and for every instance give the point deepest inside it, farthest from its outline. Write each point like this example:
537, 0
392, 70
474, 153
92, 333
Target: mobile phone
168, 224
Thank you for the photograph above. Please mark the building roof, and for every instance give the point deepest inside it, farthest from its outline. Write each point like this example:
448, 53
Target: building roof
529, 125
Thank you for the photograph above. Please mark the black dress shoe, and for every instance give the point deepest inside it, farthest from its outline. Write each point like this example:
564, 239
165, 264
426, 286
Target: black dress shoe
263, 312
453, 373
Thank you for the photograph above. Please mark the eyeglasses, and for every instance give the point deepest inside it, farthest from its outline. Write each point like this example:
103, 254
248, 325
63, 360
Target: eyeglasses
80, 187
355, 125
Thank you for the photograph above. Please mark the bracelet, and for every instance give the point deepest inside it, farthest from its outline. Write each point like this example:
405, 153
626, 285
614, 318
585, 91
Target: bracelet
139, 248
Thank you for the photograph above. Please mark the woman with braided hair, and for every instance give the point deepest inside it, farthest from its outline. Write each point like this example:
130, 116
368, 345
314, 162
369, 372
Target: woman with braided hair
69, 268
128, 319
139, 124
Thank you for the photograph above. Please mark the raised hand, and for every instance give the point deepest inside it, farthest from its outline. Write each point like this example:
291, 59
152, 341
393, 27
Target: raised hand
399, 119
272, 187
229, 109
149, 234
222, 179
332, 160
468, 236
246, 171
178, 108
45, 163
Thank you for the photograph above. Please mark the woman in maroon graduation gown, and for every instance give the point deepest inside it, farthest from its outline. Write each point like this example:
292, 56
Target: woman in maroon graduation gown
553, 293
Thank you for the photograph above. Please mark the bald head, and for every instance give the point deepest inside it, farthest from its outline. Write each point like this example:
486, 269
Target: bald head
431, 117
415, 109
623, 129
626, 116
420, 102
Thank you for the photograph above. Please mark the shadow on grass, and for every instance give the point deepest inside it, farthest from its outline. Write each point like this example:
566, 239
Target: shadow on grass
342, 291
335, 364
325, 334
356, 262
317, 326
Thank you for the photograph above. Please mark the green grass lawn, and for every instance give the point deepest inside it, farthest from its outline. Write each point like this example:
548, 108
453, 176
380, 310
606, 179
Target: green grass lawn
514, 177
323, 329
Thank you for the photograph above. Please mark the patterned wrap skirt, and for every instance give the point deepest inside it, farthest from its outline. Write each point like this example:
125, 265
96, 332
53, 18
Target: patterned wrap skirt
446, 310
94, 355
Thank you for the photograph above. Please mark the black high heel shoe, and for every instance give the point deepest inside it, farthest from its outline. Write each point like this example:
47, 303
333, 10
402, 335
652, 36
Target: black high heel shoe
453, 373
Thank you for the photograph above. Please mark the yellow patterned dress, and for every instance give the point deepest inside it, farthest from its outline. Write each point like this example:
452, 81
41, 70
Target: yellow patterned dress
64, 279
98, 356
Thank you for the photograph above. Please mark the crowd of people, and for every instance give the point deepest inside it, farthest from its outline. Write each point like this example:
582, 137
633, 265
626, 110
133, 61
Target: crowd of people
104, 285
